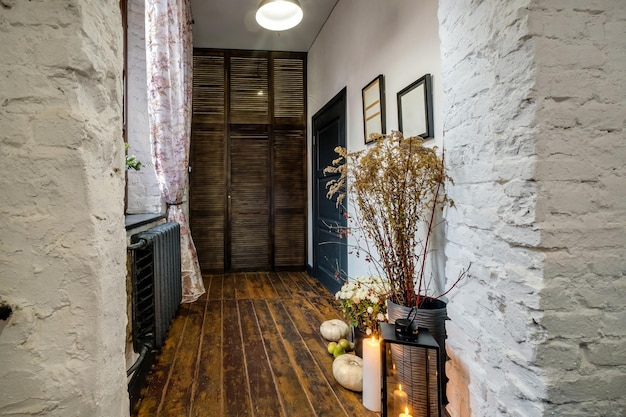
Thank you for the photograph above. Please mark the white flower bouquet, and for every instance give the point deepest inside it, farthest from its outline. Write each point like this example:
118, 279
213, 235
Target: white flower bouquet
363, 302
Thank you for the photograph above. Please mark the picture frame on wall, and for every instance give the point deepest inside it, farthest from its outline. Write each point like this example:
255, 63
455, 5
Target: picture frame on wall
415, 109
373, 95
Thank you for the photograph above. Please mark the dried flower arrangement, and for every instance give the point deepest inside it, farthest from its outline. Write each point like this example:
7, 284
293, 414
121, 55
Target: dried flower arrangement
397, 187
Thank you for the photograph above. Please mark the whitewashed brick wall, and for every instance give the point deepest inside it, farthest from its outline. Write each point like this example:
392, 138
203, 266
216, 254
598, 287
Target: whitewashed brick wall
62, 241
144, 195
534, 133
581, 205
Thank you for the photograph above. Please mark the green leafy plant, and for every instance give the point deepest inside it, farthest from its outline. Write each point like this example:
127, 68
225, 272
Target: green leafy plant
131, 161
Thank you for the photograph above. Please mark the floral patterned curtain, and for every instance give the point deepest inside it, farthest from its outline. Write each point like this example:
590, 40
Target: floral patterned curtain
169, 66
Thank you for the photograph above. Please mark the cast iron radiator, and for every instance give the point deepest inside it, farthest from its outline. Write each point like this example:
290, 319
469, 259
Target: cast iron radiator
156, 294
156, 282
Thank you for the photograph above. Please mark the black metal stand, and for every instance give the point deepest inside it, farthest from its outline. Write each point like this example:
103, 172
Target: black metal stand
423, 340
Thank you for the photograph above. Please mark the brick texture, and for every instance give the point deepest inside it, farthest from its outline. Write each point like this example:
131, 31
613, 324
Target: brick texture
581, 202
62, 243
144, 195
535, 93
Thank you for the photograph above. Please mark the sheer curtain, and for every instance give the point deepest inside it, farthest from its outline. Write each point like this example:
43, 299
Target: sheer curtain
169, 65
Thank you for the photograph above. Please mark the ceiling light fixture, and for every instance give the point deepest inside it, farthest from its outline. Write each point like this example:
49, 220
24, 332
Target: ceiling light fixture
279, 14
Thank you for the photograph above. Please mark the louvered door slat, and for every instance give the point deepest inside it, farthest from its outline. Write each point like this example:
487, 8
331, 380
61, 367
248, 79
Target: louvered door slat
208, 197
289, 89
289, 246
289, 191
250, 205
289, 175
208, 89
249, 85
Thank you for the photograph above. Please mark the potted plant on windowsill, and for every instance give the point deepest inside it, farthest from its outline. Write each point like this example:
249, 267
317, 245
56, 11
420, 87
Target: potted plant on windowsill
131, 160
397, 189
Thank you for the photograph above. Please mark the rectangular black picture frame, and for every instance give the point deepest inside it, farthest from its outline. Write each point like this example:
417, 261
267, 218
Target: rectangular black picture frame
415, 109
373, 96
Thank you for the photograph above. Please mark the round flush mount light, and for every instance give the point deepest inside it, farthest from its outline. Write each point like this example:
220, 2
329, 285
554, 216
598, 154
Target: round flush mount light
279, 14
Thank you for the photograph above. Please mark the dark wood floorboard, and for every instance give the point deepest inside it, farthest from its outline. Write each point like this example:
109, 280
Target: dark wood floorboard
250, 347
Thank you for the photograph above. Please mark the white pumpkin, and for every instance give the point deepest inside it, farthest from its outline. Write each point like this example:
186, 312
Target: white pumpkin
334, 329
348, 371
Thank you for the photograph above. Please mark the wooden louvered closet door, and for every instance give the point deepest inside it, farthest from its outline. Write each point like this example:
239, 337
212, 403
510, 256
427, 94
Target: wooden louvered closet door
248, 154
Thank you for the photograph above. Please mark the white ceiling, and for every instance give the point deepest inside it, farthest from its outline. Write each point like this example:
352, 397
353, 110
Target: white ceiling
230, 24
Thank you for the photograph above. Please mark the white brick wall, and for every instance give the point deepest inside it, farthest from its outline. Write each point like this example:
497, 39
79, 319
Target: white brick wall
144, 195
489, 126
62, 242
535, 100
581, 206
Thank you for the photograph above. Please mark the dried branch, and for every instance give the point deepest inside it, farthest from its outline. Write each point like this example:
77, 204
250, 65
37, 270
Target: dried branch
396, 186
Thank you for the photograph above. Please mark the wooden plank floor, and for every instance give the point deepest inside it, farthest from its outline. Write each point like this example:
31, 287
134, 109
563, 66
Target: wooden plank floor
250, 347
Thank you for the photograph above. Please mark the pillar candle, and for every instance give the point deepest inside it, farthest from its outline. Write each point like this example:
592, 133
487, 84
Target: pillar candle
406, 413
372, 380
400, 399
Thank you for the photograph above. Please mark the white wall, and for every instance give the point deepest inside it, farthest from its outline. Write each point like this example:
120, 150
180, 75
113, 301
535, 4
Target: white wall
360, 40
62, 240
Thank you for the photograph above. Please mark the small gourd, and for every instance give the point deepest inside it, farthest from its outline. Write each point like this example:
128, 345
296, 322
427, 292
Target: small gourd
348, 371
333, 330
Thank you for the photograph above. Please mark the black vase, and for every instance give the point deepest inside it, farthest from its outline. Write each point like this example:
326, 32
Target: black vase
432, 315
357, 338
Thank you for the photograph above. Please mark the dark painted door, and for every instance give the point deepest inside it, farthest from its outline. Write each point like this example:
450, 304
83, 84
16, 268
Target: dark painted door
329, 250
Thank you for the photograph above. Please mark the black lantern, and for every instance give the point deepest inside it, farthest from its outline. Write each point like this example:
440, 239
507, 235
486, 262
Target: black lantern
410, 374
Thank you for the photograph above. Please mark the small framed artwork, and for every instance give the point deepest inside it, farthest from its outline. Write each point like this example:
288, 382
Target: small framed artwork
374, 107
415, 109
